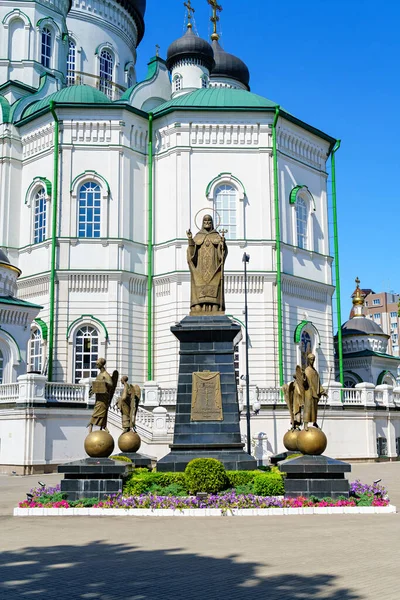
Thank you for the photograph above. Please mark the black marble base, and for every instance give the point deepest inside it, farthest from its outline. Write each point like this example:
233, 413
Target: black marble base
139, 460
319, 476
207, 343
93, 477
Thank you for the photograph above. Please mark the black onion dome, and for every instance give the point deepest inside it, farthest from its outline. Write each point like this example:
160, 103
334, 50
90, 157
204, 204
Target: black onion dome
228, 65
136, 8
190, 46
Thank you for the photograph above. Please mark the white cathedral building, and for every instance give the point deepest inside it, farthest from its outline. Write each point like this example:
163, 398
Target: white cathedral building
101, 176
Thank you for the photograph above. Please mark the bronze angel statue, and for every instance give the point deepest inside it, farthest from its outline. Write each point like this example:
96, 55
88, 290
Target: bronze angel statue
104, 388
128, 404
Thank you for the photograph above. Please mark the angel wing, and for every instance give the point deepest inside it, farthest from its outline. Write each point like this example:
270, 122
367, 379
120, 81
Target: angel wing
114, 377
288, 389
137, 391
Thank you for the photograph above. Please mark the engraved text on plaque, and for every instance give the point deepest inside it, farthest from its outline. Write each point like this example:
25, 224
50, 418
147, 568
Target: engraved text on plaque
206, 397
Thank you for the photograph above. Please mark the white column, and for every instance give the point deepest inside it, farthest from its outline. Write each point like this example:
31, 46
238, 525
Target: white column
32, 389
151, 393
367, 394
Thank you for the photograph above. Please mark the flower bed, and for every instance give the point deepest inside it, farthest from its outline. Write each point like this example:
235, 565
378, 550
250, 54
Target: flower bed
48, 500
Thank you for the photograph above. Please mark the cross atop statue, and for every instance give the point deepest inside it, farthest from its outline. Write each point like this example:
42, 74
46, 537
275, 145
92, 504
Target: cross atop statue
216, 8
190, 11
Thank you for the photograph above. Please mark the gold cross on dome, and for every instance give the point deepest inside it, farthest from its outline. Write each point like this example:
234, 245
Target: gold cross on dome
190, 11
216, 8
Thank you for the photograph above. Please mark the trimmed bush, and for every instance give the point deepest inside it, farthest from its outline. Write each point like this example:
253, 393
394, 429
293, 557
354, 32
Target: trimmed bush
206, 475
268, 484
240, 478
121, 458
140, 483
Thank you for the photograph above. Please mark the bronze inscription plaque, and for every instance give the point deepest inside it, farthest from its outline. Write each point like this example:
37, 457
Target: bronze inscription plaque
206, 397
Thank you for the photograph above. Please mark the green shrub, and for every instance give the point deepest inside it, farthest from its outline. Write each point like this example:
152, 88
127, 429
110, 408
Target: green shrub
206, 475
122, 458
174, 489
140, 483
240, 478
268, 484
245, 489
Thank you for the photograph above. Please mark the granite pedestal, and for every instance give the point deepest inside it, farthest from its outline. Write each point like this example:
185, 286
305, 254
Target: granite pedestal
207, 344
93, 477
139, 460
315, 476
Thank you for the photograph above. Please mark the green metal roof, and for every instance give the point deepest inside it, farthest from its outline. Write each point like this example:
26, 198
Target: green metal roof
17, 302
151, 72
217, 97
363, 353
74, 94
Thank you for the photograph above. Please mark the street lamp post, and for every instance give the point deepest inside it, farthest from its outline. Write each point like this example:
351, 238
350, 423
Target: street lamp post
245, 260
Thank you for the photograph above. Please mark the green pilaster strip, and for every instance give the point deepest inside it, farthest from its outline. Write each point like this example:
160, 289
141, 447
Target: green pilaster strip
278, 248
336, 253
150, 255
53, 239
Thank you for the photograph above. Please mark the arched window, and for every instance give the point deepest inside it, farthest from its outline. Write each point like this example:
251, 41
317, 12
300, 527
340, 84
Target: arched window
225, 206
1, 366
40, 208
86, 353
106, 72
71, 63
89, 210
305, 347
35, 351
349, 382
301, 222
177, 83
130, 79
46, 47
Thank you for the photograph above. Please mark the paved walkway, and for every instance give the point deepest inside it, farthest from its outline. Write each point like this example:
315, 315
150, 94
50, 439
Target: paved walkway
275, 558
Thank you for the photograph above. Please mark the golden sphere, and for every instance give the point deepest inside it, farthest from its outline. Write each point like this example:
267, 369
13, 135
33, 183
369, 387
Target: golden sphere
129, 442
312, 442
290, 439
99, 444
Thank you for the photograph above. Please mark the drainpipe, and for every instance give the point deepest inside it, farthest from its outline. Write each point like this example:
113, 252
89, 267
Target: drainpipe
278, 248
150, 255
53, 238
336, 252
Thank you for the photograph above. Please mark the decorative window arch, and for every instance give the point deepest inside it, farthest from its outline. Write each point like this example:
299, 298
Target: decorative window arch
130, 75
90, 192
11, 354
87, 340
71, 62
35, 351
106, 71
178, 81
386, 377
48, 40
303, 202
307, 340
40, 216
302, 215
224, 191
351, 379
46, 46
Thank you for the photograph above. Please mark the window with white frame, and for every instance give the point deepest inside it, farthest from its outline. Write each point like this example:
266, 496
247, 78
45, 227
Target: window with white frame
35, 351
1, 366
71, 62
225, 207
301, 222
305, 347
106, 72
377, 316
86, 353
393, 325
349, 382
376, 301
393, 315
45, 54
40, 209
177, 83
89, 210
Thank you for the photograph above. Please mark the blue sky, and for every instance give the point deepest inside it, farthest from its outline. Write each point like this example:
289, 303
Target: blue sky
334, 65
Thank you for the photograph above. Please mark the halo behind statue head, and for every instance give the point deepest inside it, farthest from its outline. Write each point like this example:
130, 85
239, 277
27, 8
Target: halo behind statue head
207, 211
